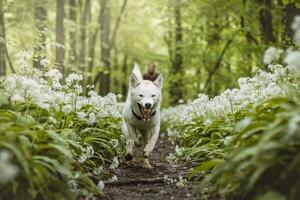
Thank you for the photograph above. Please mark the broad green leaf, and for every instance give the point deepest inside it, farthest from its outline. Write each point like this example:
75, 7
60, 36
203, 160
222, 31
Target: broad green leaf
207, 165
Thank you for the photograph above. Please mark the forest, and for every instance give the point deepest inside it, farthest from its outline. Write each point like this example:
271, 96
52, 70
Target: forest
230, 116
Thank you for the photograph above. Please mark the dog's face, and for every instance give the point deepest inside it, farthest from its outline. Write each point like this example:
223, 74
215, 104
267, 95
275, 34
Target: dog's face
145, 95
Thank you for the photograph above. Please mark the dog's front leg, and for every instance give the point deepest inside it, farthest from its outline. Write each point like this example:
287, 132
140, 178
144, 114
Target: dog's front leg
130, 141
150, 143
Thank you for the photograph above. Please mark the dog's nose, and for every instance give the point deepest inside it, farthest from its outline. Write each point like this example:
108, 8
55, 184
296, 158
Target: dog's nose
147, 105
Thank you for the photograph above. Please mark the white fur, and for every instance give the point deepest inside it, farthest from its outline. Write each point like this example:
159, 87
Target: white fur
142, 92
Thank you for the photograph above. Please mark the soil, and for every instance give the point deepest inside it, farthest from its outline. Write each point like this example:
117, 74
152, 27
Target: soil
137, 183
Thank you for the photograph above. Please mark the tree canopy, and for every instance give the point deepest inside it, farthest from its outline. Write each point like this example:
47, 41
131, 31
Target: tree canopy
199, 46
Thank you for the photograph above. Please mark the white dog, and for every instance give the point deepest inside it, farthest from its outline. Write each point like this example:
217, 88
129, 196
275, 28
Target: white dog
141, 115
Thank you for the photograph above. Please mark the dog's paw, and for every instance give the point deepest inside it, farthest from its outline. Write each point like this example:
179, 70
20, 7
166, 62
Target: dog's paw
146, 164
128, 157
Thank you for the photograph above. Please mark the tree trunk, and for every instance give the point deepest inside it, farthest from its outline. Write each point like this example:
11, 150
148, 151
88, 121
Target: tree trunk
72, 34
115, 66
248, 35
60, 37
107, 43
40, 14
266, 21
92, 47
83, 36
105, 47
176, 91
124, 70
217, 66
2, 43
290, 12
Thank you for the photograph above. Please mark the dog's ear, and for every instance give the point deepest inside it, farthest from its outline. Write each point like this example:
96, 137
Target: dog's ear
136, 76
159, 81
137, 72
134, 81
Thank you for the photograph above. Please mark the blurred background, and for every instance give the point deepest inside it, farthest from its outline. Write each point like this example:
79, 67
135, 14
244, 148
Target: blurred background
198, 45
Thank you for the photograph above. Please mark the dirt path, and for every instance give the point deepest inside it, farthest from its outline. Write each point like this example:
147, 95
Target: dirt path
157, 189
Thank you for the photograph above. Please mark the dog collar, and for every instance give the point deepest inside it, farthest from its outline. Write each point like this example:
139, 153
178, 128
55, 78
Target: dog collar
139, 117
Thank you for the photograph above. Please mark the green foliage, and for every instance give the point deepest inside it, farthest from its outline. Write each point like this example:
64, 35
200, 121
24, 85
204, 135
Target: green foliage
250, 154
264, 159
206, 28
202, 142
48, 150
197, 45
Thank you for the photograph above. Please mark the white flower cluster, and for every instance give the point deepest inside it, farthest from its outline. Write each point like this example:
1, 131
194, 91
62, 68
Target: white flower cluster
45, 89
22, 59
272, 54
73, 78
296, 29
293, 61
101, 185
8, 171
76, 187
88, 152
251, 91
179, 181
292, 58
98, 171
114, 164
113, 178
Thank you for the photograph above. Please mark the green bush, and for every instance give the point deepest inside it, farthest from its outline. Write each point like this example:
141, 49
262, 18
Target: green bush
264, 161
53, 155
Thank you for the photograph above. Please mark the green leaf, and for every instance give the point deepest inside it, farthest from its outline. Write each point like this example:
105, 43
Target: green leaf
3, 99
271, 195
207, 165
53, 165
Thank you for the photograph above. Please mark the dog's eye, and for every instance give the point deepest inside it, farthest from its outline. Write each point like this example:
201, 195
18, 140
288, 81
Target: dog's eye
140, 95
153, 95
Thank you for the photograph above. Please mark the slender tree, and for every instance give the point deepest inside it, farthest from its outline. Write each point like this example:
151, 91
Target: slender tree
105, 49
92, 46
72, 32
115, 68
290, 12
83, 36
124, 70
176, 90
107, 39
266, 21
60, 37
40, 14
247, 32
2, 42
4, 56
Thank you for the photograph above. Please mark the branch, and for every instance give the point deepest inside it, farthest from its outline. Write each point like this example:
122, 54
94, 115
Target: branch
218, 64
135, 181
98, 76
113, 38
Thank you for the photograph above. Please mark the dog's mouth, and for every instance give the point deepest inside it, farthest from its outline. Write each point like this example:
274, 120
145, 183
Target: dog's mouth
145, 113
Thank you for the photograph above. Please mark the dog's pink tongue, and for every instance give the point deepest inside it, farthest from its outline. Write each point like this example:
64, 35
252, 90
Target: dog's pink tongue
146, 112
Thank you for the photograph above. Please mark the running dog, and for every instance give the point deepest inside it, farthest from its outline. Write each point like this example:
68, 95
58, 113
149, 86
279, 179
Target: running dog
141, 114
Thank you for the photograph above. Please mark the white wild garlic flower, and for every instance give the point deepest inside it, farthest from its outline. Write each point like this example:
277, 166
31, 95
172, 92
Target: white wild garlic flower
272, 54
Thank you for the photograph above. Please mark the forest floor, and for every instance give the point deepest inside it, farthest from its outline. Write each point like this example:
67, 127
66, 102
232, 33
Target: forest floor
137, 183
